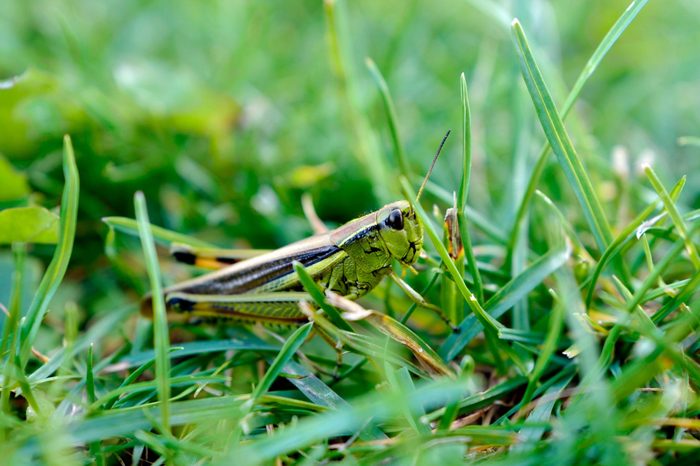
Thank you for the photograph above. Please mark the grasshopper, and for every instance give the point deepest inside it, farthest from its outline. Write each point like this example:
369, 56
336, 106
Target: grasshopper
349, 261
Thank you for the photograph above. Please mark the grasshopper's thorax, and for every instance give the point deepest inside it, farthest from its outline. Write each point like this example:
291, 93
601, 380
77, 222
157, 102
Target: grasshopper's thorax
370, 243
392, 232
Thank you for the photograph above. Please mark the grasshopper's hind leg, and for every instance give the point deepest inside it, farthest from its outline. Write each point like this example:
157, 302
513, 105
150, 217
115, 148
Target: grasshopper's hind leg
211, 258
275, 308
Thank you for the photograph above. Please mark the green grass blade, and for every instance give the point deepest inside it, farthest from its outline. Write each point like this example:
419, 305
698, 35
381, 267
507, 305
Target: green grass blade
316, 293
318, 392
10, 331
622, 238
594, 61
59, 262
367, 148
689, 141
529, 435
390, 110
98, 331
489, 323
160, 234
402, 385
378, 406
549, 347
561, 144
288, 349
95, 447
122, 422
505, 298
675, 215
463, 194
490, 229
684, 295
239, 343
160, 321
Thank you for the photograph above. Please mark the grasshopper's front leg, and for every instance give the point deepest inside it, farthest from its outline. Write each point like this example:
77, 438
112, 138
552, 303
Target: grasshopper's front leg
416, 297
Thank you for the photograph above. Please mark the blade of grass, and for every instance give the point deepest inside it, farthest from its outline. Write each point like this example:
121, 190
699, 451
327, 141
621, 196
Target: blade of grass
193, 348
160, 323
316, 293
561, 144
11, 329
122, 422
625, 235
637, 373
161, 235
390, 110
489, 323
288, 349
463, 194
529, 435
593, 62
402, 386
59, 262
95, 447
684, 295
367, 150
96, 332
674, 214
556, 321
380, 406
505, 298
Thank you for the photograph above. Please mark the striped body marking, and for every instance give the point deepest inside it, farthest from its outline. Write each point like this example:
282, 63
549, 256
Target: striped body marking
350, 260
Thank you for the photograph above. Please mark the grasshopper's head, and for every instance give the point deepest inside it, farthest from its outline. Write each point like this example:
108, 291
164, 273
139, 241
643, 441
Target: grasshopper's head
401, 231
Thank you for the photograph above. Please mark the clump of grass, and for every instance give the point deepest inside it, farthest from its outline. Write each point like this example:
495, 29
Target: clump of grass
576, 303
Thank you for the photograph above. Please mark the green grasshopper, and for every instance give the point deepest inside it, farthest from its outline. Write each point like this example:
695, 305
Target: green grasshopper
349, 261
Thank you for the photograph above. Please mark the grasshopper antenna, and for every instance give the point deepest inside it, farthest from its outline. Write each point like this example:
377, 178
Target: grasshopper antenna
430, 170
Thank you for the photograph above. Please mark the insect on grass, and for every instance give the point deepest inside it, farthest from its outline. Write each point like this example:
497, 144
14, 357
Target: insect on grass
265, 288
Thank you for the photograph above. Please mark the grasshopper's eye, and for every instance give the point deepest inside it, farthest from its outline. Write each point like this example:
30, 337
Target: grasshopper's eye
395, 220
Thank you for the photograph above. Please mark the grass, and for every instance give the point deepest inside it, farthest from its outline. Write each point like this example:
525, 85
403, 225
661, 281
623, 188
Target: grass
573, 279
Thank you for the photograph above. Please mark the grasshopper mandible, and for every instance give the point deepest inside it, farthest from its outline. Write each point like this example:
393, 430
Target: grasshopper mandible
350, 261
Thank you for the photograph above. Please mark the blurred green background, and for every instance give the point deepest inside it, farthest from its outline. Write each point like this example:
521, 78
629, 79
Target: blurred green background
225, 112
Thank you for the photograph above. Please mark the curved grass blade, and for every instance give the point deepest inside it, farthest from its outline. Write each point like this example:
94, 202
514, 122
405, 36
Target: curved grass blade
367, 148
96, 333
625, 235
505, 298
390, 115
596, 58
675, 215
59, 262
318, 392
489, 323
161, 235
193, 348
406, 337
463, 194
288, 349
380, 406
160, 323
556, 321
561, 144
122, 422
317, 295
11, 329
